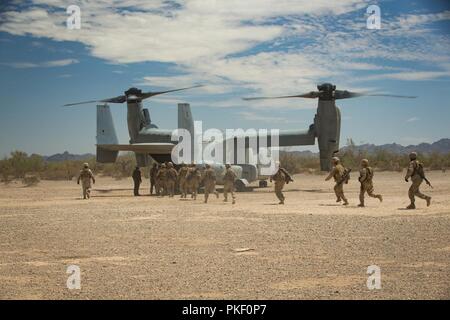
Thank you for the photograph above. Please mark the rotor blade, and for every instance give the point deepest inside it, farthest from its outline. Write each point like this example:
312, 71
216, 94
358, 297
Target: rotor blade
310, 95
391, 95
77, 103
344, 94
118, 99
146, 95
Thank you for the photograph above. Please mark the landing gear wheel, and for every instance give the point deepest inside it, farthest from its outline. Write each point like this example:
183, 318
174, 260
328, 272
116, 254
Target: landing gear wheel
263, 184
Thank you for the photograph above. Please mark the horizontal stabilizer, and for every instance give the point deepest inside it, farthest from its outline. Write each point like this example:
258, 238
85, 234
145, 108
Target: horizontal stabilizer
147, 148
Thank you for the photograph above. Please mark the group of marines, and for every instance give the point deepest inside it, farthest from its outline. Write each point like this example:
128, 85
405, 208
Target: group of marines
341, 175
164, 180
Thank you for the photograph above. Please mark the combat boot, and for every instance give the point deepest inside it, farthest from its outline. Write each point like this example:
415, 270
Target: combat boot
411, 206
361, 205
345, 203
380, 197
428, 201
338, 200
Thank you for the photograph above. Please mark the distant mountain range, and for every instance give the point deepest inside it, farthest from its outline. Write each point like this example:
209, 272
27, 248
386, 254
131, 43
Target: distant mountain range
68, 156
442, 146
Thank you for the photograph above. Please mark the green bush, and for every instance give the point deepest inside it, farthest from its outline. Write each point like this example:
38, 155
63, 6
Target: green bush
30, 180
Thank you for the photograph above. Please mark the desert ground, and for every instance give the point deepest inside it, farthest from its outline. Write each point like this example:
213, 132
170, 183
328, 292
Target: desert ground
159, 248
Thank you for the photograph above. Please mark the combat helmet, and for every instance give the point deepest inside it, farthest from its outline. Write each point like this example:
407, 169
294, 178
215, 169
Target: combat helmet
413, 155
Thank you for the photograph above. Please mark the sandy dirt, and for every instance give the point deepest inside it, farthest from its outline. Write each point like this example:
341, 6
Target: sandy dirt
159, 248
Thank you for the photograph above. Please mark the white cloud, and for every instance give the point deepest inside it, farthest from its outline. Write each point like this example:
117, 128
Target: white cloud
413, 119
59, 63
207, 41
158, 31
45, 64
414, 23
409, 75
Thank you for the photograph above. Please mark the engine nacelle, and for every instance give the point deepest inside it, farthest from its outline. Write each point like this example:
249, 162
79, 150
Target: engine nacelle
327, 124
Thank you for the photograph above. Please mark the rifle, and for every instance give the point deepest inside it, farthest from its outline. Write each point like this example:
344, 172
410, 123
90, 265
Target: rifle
428, 182
287, 175
422, 175
345, 177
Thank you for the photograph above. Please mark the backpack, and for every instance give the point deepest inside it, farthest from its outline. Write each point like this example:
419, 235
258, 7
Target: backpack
419, 170
370, 174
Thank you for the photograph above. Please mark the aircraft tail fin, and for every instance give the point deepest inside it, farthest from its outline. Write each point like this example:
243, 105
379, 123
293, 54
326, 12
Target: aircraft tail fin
185, 119
106, 134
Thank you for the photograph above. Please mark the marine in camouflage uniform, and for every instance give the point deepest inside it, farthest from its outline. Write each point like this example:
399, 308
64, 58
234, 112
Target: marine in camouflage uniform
172, 176
193, 178
161, 180
337, 172
182, 180
209, 182
228, 183
153, 172
281, 177
86, 176
137, 179
415, 172
366, 180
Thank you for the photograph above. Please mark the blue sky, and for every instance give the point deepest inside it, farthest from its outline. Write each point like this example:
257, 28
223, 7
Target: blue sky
237, 48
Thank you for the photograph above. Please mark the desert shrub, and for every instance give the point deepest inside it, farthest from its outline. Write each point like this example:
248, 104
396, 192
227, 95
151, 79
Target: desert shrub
296, 163
122, 168
30, 180
6, 170
290, 162
21, 163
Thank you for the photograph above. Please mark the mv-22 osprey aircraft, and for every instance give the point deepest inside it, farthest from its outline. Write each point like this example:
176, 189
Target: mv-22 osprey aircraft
146, 139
